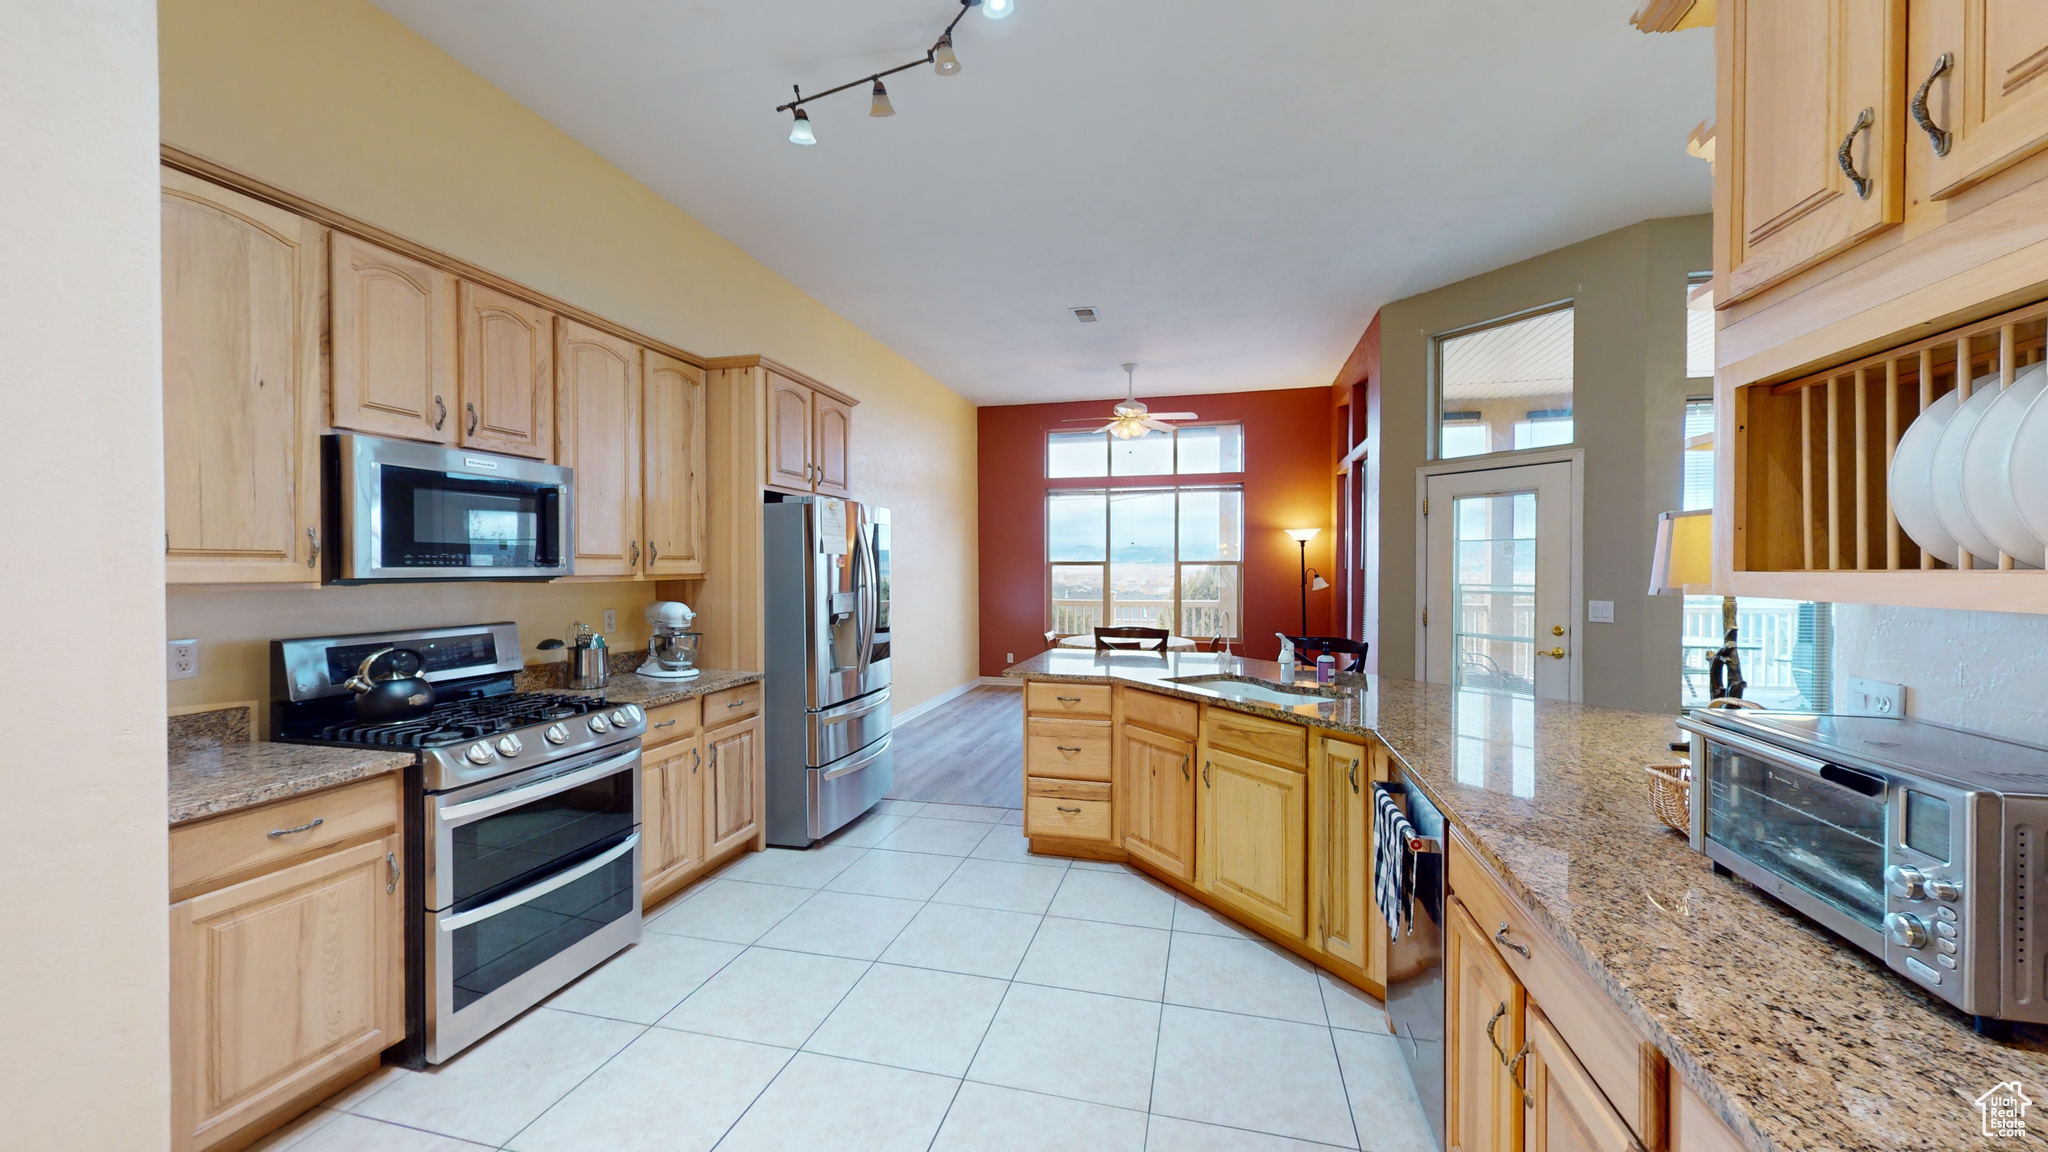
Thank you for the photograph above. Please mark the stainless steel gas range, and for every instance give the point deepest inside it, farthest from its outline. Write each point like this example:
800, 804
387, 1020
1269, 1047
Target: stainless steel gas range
522, 821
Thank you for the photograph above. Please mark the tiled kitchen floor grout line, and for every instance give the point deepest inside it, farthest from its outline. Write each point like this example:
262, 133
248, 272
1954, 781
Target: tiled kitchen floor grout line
1007, 986
1336, 1054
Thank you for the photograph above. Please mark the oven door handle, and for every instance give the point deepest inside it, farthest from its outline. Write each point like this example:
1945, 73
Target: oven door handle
528, 895
470, 810
1757, 748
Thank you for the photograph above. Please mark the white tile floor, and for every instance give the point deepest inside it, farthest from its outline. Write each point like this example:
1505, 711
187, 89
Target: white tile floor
920, 983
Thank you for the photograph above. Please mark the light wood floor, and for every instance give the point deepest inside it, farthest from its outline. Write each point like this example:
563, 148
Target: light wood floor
969, 750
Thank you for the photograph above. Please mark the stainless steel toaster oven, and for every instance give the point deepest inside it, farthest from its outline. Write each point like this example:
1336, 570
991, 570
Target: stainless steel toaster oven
1920, 843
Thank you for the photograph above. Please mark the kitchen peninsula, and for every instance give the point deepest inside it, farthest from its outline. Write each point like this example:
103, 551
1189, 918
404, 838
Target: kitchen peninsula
1776, 1034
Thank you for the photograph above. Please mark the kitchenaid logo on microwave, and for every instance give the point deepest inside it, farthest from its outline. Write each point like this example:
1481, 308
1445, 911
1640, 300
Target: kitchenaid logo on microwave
2004, 1110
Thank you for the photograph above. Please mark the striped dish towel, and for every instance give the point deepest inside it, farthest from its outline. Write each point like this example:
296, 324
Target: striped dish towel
1393, 864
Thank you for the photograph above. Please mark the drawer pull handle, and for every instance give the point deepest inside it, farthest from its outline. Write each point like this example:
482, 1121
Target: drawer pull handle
1492, 1020
735, 703
1184, 768
317, 821
1848, 163
1068, 811
1354, 777
1941, 137
1205, 773
1068, 699
391, 862
1500, 937
1515, 1074
1064, 748
666, 723
697, 760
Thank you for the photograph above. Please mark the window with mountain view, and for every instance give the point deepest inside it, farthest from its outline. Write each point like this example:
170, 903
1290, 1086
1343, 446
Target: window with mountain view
1167, 558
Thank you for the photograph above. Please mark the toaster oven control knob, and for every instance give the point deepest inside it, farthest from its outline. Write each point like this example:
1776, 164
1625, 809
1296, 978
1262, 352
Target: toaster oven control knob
597, 723
619, 718
480, 753
1906, 929
509, 745
1944, 889
556, 734
1907, 883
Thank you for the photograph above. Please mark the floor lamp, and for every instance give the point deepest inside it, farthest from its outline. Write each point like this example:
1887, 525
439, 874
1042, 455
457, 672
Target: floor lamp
1302, 536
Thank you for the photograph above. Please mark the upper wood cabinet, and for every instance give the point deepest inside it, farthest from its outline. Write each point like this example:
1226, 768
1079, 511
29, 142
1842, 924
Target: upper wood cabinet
507, 373
394, 343
1253, 825
1483, 1009
597, 433
1984, 66
1811, 112
1340, 854
832, 436
1156, 792
674, 467
241, 380
809, 438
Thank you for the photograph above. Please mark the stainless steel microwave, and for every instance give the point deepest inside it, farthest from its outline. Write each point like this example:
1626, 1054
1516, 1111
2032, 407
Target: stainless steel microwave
1919, 843
405, 511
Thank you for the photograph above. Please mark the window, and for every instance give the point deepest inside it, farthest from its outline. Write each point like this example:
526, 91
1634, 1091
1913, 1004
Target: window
1699, 326
1190, 450
1506, 387
1167, 558
1698, 491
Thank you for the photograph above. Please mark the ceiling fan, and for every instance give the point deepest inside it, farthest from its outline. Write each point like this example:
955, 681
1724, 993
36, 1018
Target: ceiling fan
1130, 419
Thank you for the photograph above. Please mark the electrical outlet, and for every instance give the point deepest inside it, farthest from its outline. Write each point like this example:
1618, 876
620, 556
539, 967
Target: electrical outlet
1009, 657
1599, 611
611, 620
1861, 697
184, 659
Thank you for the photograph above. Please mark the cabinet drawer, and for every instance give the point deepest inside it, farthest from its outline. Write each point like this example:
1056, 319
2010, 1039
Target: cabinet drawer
1066, 809
1160, 713
673, 722
1628, 1069
1268, 740
731, 704
209, 853
1042, 698
1070, 749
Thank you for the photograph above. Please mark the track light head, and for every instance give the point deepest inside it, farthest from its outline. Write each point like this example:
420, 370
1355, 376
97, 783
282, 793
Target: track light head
800, 129
879, 105
943, 60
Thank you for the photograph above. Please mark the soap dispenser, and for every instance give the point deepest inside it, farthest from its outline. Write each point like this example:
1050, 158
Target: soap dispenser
1286, 658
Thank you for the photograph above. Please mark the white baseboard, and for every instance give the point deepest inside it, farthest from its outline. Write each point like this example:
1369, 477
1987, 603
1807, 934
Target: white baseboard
909, 716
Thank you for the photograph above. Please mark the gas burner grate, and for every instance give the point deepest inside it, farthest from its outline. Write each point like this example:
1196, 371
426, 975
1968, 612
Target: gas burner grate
458, 721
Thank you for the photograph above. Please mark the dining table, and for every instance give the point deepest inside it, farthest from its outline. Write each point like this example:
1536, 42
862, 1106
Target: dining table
1084, 640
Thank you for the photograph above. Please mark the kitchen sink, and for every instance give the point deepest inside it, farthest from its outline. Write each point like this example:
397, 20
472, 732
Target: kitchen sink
1262, 691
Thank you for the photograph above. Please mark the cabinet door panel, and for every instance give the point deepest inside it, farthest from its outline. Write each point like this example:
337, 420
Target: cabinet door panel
1157, 791
1796, 82
597, 430
1993, 97
832, 446
732, 756
508, 373
394, 342
672, 826
1483, 1007
1339, 852
657, 846
241, 380
789, 434
674, 469
1566, 1112
1254, 853
281, 982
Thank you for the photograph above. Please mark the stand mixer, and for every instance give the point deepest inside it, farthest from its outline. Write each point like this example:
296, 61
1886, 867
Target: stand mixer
672, 649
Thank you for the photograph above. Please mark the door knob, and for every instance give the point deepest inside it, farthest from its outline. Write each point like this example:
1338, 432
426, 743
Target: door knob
1555, 653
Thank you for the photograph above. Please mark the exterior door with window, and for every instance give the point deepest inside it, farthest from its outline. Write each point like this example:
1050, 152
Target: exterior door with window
1499, 573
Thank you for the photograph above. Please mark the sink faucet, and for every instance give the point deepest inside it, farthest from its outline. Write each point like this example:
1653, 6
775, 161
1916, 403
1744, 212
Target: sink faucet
1222, 637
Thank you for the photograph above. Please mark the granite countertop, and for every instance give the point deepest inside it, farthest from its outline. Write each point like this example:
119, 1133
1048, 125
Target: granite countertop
232, 776
1799, 1040
629, 688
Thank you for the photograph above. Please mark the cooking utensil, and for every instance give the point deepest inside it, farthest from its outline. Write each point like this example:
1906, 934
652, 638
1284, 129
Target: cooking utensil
398, 695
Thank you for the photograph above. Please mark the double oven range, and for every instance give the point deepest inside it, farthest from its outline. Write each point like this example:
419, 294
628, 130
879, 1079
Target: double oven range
522, 822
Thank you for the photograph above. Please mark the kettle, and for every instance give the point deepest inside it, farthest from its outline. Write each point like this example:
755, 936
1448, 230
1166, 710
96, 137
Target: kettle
589, 658
397, 695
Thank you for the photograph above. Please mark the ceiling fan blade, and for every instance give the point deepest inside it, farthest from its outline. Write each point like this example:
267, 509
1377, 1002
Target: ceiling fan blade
1108, 426
1080, 419
1174, 416
1156, 425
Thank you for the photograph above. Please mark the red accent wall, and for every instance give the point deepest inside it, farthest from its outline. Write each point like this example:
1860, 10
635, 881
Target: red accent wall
1288, 483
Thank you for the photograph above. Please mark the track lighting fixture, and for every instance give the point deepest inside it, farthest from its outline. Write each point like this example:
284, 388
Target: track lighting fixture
940, 56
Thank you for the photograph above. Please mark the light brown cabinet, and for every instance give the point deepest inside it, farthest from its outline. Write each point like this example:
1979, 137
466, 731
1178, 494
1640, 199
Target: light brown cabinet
673, 824
1483, 1011
1565, 1110
287, 967
1986, 67
394, 344
1252, 836
673, 469
1156, 780
733, 791
810, 438
507, 371
597, 432
241, 380
1340, 854
832, 439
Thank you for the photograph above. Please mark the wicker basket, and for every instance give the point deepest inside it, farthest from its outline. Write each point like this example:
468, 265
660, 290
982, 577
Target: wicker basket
1671, 794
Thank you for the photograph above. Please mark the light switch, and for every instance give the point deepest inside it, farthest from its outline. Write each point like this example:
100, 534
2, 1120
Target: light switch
1599, 611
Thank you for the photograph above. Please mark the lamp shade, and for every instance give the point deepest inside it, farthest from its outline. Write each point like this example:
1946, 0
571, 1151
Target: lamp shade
1685, 552
1317, 584
1303, 535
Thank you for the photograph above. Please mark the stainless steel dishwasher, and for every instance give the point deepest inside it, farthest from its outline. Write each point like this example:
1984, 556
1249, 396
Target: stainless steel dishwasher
1415, 962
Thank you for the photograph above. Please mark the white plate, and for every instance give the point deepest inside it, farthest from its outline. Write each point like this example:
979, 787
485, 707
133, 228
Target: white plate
2029, 468
1910, 482
1947, 474
1987, 470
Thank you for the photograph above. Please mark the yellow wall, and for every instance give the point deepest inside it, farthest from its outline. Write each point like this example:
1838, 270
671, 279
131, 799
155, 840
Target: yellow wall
344, 105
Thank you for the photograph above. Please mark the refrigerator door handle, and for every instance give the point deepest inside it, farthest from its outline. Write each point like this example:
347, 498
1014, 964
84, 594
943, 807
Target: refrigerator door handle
869, 592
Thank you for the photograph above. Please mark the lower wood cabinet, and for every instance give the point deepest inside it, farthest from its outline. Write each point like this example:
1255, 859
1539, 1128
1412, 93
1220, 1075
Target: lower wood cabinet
1068, 810
285, 984
1346, 926
732, 796
1483, 1010
1253, 836
672, 812
1566, 1112
1156, 780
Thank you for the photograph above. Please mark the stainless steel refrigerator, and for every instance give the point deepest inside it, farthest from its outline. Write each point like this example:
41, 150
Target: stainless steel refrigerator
826, 567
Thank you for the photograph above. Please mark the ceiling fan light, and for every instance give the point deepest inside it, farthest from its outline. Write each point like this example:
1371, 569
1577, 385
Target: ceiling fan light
943, 60
997, 9
879, 105
800, 129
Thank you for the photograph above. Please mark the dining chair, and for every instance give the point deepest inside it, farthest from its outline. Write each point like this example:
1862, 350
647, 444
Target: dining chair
1307, 648
1138, 639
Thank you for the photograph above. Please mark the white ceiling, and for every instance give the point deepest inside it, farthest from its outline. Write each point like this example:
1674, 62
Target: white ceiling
1236, 186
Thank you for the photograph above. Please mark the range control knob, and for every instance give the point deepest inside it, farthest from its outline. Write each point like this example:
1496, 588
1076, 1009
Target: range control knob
556, 734
1906, 883
620, 719
634, 713
480, 753
1944, 890
509, 745
1906, 929
597, 723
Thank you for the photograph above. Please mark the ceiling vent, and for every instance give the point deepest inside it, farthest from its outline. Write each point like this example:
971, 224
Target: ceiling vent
1085, 315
